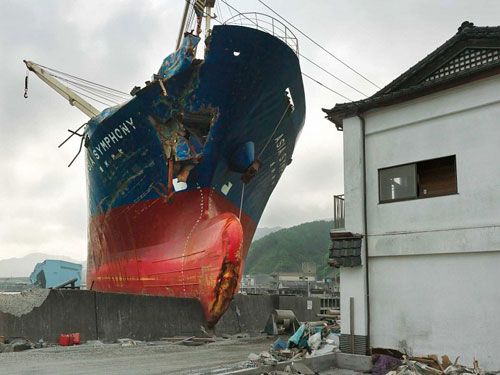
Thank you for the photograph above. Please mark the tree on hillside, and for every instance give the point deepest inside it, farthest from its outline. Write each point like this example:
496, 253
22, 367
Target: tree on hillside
286, 249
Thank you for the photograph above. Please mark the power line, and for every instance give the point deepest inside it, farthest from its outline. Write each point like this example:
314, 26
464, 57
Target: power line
229, 9
333, 75
219, 10
326, 87
317, 44
313, 79
312, 62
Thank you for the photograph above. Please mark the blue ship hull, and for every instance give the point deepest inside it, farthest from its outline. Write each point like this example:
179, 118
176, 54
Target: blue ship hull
242, 108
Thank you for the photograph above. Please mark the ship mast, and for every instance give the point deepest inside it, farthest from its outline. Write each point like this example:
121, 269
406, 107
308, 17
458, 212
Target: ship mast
207, 6
183, 25
72, 97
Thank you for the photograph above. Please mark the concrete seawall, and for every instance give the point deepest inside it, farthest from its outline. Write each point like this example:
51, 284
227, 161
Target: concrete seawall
109, 316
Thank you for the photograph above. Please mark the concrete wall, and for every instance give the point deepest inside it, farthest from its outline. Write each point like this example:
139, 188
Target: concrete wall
109, 316
432, 274
63, 311
146, 317
249, 313
299, 306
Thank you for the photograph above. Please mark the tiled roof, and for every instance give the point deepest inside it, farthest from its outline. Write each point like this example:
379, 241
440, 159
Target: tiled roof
471, 53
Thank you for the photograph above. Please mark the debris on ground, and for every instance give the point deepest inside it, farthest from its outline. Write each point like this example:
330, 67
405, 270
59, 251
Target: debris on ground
40, 344
16, 344
189, 341
309, 340
279, 344
397, 363
130, 342
242, 335
383, 363
281, 322
332, 318
22, 303
313, 340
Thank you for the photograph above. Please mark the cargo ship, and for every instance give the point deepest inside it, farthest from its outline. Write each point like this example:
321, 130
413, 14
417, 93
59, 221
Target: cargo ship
179, 176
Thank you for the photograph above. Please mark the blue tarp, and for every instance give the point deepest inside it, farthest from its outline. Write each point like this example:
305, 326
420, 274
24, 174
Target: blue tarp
297, 336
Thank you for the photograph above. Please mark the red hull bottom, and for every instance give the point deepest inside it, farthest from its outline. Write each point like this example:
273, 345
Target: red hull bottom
194, 246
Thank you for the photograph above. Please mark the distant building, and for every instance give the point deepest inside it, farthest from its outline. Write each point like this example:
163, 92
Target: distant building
293, 276
15, 284
419, 246
257, 284
51, 273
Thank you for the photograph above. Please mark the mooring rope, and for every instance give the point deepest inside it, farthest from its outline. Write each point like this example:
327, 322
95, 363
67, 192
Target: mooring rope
241, 201
274, 131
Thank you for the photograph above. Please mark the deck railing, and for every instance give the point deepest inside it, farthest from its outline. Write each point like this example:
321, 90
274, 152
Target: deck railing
268, 24
338, 212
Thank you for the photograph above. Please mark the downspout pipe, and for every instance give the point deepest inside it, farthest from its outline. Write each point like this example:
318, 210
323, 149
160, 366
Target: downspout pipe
365, 219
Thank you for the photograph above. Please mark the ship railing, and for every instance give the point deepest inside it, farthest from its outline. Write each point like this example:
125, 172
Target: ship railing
268, 24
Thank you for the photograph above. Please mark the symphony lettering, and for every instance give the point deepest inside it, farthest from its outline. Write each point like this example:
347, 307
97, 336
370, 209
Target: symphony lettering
104, 145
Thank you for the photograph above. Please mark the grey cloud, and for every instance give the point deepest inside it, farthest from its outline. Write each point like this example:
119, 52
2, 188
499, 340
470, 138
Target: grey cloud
121, 43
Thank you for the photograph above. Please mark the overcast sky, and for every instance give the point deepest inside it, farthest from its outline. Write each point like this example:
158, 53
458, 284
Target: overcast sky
121, 43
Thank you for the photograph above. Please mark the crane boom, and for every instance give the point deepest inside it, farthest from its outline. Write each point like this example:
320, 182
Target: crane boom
72, 97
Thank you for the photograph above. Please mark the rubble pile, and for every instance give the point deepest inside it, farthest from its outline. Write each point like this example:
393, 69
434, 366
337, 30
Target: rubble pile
18, 304
308, 341
394, 364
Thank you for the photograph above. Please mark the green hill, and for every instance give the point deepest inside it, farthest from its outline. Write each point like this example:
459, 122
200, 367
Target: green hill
286, 249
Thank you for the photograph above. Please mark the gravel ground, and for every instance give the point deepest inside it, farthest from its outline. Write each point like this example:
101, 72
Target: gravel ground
22, 303
147, 358
151, 358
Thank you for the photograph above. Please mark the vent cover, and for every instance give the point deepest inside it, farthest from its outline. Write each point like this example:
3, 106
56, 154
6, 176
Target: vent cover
469, 59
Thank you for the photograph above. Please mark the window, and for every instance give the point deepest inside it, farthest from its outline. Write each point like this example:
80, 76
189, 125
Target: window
429, 178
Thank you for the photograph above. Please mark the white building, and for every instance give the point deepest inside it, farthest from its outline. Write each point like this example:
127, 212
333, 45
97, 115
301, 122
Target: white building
422, 186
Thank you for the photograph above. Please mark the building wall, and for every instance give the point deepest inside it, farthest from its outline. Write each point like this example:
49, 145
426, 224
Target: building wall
353, 280
432, 262
438, 304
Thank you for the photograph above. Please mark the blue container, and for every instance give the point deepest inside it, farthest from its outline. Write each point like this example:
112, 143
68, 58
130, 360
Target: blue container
52, 272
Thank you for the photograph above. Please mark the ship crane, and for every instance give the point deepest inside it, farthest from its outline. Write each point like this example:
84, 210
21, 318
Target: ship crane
72, 97
76, 100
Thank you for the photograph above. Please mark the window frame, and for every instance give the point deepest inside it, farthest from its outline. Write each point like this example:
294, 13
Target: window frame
380, 201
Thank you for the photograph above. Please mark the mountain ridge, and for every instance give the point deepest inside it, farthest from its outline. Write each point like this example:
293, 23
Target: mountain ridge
287, 248
23, 266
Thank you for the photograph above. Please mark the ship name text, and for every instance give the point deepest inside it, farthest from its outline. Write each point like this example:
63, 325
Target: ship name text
105, 144
278, 167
